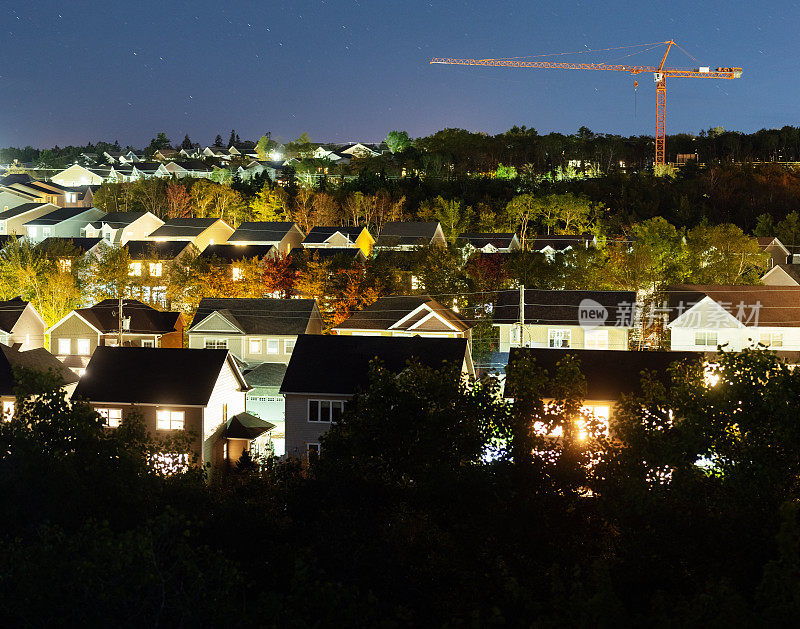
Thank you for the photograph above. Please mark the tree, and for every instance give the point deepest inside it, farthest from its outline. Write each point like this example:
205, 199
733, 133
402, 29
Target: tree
327, 209
178, 201
520, 212
218, 141
110, 275
277, 276
398, 141
301, 147
150, 195
454, 217
234, 139
264, 145
187, 143
724, 254
269, 204
788, 230
303, 213
161, 141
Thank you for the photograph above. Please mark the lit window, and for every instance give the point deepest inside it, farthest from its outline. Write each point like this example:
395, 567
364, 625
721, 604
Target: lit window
148, 343
169, 463
596, 339
169, 420
215, 343
272, 346
84, 348
64, 346
771, 339
559, 338
135, 269
65, 265
255, 346
8, 410
112, 416
416, 283
325, 410
155, 269
288, 346
600, 413
237, 274
706, 339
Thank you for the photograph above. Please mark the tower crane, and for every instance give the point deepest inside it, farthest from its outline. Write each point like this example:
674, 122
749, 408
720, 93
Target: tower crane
660, 74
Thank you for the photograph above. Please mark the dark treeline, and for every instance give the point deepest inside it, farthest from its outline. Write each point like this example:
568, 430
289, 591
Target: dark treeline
686, 516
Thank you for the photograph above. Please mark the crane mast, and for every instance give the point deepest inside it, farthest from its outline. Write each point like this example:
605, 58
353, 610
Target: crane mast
660, 74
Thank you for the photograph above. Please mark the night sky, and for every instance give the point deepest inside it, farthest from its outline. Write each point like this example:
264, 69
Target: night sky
343, 70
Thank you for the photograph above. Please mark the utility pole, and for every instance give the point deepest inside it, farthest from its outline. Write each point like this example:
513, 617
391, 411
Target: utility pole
521, 313
120, 320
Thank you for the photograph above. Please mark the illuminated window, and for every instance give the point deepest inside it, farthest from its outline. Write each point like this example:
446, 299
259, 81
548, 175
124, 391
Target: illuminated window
148, 343
8, 410
112, 416
169, 420
325, 411
65, 265
288, 346
237, 274
255, 346
135, 269
272, 346
600, 413
596, 339
559, 338
64, 346
169, 463
84, 348
155, 269
215, 343
771, 339
706, 339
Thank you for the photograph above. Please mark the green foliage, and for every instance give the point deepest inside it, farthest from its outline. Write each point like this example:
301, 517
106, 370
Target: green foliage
505, 172
398, 141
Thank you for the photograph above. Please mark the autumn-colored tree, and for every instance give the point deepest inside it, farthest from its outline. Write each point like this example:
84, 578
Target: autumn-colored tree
277, 276
303, 213
203, 195
150, 195
353, 291
179, 201
110, 274
269, 204
327, 209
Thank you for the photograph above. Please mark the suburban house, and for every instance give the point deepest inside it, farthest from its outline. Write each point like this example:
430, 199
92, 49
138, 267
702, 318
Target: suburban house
782, 275
117, 228
608, 374
284, 236
201, 392
326, 371
339, 256
406, 316
404, 236
338, 237
490, 242
359, 150
265, 401
12, 220
736, 317
38, 359
200, 231
189, 169
778, 253
564, 319
254, 330
63, 222
11, 199
150, 261
234, 255
68, 250
45, 192
551, 245
77, 175
77, 335
20, 324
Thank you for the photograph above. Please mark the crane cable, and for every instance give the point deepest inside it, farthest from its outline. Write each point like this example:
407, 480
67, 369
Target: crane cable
579, 52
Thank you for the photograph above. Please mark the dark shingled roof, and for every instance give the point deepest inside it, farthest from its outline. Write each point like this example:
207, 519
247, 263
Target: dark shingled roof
144, 319
266, 375
82, 245
261, 231
320, 234
187, 227
559, 243
340, 364
561, 307
117, 219
260, 316
608, 373
407, 233
10, 312
59, 215
246, 426
229, 253
501, 241
34, 359
146, 249
753, 305
387, 311
152, 375
15, 178
20, 209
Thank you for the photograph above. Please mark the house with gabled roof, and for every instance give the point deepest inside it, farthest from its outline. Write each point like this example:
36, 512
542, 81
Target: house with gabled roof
490, 242
13, 358
359, 150
404, 236
283, 235
701, 318
77, 175
117, 228
234, 257
68, 250
340, 236
65, 222
10, 198
550, 245
21, 324
254, 330
265, 401
782, 275
149, 264
564, 319
406, 315
76, 336
12, 220
189, 168
201, 232
327, 370
778, 252
175, 389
